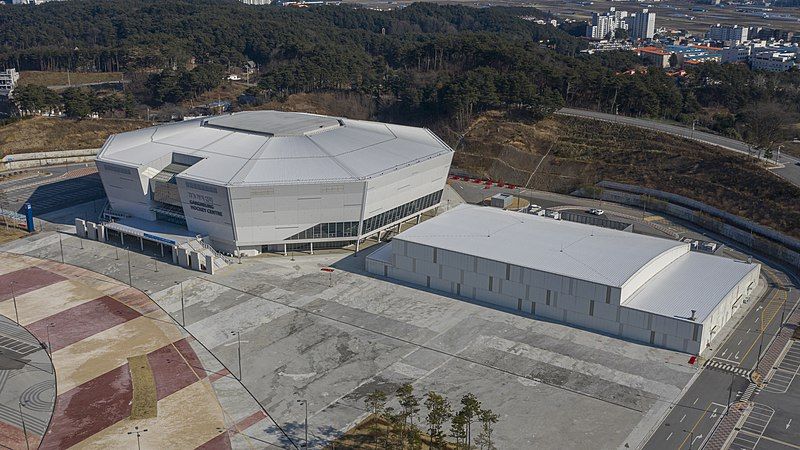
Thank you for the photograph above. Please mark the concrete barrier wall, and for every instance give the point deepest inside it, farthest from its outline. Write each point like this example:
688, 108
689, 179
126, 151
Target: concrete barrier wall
40, 159
745, 236
695, 205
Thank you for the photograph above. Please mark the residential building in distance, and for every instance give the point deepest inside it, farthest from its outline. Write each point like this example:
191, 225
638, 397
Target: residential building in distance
642, 25
256, 2
8, 81
695, 54
654, 56
605, 24
773, 61
736, 54
259, 181
763, 56
637, 287
730, 35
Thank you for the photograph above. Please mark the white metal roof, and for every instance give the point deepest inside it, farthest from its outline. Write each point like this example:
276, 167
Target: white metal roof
272, 147
695, 281
585, 252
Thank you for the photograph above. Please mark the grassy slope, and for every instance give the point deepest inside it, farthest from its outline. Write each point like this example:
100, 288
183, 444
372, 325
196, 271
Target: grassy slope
583, 152
60, 78
47, 134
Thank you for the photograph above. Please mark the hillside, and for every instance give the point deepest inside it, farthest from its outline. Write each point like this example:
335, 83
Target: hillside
583, 152
46, 134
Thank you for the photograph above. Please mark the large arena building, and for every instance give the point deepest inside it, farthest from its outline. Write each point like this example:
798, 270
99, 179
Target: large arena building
629, 285
267, 180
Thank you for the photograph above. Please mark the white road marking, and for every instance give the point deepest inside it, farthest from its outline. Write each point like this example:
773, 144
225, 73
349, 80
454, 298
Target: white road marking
670, 435
681, 421
788, 423
695, 401
714, 414
723, 353
740, 342
736, 356
757, 318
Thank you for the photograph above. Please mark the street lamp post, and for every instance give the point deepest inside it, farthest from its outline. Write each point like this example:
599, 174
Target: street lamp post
24, 428
130, 277
730, 394
138, 434
14, 297
61, 246
237, 333
305, 403
785, 301
691, 438
49, 346
183, 310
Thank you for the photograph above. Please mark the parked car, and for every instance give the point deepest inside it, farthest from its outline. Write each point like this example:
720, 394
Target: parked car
596, 212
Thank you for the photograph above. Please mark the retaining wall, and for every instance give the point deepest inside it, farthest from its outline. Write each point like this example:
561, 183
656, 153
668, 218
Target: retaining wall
755, 236
40, 159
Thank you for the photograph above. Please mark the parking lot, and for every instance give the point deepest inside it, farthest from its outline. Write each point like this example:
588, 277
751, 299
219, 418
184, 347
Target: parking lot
333, 340
774, 417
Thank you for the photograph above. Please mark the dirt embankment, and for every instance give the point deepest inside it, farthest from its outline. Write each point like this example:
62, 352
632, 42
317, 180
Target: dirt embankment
572, 152
39, 134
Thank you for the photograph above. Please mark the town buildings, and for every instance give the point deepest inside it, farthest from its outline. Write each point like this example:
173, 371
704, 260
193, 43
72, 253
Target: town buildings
8, 81
639, 25
730, 35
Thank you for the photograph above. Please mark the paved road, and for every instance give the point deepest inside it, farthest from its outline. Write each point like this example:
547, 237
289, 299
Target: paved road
774, 422
790, 171
57, 188
697, 412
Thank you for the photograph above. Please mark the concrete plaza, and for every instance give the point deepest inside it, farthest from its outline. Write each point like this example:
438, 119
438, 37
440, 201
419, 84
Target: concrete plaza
331, 340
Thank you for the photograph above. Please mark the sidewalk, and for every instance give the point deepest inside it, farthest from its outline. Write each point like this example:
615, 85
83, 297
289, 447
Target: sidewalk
121, 363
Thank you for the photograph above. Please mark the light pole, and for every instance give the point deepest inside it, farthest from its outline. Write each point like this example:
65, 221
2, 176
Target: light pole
130, 277
49, 346
24, 429
694, 122
14, 296
305, 402
183, 311
730, 394
237, 333
785, 301
138, 434
61, 246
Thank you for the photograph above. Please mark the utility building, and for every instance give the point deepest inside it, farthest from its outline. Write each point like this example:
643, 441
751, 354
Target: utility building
637, 287
267, 180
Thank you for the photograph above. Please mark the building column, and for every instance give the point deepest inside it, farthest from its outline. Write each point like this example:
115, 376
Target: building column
379, 237
141, 243
285, 253
311, 246
358, 244
122, 238
161, 246
419, 217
